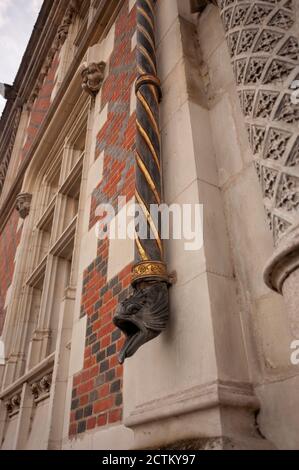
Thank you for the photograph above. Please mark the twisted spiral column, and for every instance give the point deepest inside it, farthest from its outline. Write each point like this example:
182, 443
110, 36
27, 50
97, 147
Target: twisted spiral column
144, 315
148, 251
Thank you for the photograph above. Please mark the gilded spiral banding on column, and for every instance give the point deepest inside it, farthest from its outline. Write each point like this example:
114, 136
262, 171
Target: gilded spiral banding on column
148, 164
144, 315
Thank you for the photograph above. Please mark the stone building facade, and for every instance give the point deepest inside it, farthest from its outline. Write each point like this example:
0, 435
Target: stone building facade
220, 376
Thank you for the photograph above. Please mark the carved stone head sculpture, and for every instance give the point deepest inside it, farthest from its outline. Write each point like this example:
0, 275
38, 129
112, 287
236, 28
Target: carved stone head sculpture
92, 77
23, 204
142, 317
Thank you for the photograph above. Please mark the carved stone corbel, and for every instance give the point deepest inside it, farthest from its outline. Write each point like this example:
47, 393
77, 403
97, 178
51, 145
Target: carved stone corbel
13, 405
41, 388
23, 204
92, 77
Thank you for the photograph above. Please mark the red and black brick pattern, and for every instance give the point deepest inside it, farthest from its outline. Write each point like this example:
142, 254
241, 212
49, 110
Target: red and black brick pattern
9, 238
9, 241
97, 389
40, 106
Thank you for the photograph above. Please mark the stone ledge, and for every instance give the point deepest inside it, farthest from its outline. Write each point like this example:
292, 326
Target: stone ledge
202, 397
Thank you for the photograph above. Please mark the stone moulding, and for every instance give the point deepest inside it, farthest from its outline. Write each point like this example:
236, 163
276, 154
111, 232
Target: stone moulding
144, 315
102, 13
61, 35
206, 396
7, 156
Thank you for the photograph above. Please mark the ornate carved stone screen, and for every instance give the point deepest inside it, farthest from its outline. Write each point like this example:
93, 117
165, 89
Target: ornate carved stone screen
262, 37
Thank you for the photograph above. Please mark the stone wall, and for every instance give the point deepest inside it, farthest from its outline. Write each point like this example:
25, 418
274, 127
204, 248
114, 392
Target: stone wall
264, 320
9, 240
97, 389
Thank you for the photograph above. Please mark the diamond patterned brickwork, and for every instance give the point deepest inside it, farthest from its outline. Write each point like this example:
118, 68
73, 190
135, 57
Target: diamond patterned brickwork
40, 106
97, 389
9, 240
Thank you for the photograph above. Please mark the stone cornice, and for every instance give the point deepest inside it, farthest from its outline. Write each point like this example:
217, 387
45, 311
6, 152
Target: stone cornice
41, 39
104, 17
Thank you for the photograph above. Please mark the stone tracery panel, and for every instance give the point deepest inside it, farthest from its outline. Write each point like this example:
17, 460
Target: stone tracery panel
264, 52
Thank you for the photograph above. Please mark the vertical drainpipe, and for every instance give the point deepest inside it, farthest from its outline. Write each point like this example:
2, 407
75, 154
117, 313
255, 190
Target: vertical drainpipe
144, 315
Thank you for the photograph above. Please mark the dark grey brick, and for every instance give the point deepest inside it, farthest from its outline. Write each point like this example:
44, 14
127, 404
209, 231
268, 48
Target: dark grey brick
116, 335
93, 395
115, 387
96, 347
110, 375
101, 356
87, 411
111, 350
104, 366
81, 427
100, 380
118, 399
79, 414
75, 404
117, 290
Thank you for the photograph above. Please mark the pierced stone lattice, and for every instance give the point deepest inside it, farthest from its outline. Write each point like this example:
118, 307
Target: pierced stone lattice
264, 50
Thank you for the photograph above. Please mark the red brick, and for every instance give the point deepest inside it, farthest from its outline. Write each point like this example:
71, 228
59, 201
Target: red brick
83, 400
102, 420
85, 387
115, 416
103, 405
104, 390
91, 423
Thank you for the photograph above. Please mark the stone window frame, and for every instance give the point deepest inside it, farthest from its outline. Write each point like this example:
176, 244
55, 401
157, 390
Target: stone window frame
27, 383
54, 225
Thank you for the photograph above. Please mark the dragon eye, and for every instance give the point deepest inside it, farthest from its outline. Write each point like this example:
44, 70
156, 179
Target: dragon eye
133, 309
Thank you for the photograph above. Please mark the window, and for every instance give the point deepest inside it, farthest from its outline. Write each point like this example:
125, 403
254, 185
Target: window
52, 256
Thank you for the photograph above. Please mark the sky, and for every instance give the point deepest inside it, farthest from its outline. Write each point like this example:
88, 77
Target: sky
17, 18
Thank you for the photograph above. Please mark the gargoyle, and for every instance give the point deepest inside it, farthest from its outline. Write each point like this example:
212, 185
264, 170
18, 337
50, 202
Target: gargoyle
142, 317
92, 77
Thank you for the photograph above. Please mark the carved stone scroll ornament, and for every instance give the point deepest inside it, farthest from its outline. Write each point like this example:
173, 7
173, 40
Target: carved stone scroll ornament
23, 204
61, 35
92, 77
63, 29
143, 316
41, 388
4, 164
263, 43
13, 405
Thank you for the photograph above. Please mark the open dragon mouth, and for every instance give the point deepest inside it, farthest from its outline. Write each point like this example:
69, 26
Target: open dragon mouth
134, 337
142, 317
